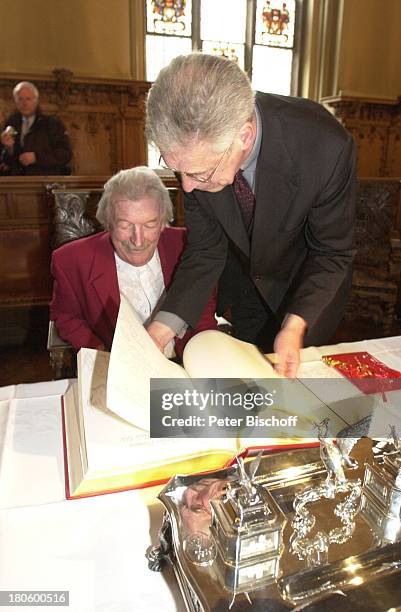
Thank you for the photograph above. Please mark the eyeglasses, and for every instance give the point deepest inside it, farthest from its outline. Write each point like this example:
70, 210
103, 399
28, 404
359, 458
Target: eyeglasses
193, 175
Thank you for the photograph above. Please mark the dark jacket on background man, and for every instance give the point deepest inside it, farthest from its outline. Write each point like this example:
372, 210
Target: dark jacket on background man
47, 138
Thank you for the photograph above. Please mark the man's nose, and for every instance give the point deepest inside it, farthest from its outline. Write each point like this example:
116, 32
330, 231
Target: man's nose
137, 235
188, 183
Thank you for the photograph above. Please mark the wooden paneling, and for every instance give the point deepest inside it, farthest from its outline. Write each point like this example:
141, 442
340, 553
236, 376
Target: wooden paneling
104, 117
377, 268
376, 128
25, 236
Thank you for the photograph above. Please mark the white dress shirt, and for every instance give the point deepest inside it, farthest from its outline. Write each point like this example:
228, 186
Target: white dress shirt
143, 286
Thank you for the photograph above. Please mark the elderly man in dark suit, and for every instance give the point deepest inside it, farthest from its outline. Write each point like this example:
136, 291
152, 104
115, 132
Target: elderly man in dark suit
136, 256
33, 143
269, 186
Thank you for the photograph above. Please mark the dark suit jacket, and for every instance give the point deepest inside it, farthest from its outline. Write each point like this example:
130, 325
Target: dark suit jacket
47, 138
86, 297
301, 251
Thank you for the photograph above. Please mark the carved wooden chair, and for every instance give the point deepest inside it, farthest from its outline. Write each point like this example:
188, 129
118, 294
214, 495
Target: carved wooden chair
377, 270
73, 217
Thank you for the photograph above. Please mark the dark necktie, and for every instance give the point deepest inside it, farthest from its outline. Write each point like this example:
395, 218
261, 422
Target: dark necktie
24, 129
245, 198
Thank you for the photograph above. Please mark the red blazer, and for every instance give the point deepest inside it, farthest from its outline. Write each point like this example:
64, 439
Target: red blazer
86, 297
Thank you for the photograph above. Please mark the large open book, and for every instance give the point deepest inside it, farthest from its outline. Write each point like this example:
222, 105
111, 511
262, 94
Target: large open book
106, 413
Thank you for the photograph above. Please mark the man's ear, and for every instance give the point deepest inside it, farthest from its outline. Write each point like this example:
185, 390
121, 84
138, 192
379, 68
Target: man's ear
247, 134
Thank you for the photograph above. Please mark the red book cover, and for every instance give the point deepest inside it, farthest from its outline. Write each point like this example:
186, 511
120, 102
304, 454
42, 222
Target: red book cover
154, 482
365, 371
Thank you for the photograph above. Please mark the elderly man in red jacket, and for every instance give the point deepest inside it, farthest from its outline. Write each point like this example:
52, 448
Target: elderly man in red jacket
136, 256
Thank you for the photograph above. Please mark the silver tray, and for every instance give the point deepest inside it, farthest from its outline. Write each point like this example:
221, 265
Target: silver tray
363, 573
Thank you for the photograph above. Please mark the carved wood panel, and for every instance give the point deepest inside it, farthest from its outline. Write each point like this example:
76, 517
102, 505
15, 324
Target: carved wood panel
377, 268
104, 117
376, 128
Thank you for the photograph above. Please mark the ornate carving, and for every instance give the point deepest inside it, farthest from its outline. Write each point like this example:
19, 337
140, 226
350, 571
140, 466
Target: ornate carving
113, 143
92, 125
90, 107
371, 308
137, 94
62, 362
70, 218
377, 274
377, 208
63, 80
372, 121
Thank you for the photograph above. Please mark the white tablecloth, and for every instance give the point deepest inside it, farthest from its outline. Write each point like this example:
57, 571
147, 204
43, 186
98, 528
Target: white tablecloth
92, 547
95, 547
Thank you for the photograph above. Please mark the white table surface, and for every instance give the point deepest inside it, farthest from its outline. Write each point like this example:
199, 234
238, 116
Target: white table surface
94, 547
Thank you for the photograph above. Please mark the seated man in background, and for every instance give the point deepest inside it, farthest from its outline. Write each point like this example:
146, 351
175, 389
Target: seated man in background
136, 256
33, 143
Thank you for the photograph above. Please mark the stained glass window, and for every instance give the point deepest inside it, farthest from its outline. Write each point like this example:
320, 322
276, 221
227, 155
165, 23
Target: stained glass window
222, 28
273, 51
160, 50
257, 34
223, 20
271, 70
274, 24
229, 50
169, 17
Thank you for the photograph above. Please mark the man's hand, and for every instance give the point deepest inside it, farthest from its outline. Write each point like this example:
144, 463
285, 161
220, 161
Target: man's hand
28, 158
7, 140
287, 345
161, 334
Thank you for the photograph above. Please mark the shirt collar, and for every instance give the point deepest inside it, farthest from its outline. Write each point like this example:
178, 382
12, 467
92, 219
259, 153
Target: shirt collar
249, 165
28, 120
153, 265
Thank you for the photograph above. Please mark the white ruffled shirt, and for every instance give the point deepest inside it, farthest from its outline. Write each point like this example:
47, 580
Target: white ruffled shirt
143, 287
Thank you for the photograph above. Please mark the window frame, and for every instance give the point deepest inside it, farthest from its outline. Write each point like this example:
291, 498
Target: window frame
300, 13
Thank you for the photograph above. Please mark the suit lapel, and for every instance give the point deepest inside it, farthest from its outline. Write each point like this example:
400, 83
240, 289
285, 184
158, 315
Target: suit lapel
167, 260
103, 277
227, 211
275, 184
275, 189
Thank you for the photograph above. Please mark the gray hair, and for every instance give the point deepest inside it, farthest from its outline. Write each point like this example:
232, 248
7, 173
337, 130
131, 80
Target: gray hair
28, 84
134, 184
198, 97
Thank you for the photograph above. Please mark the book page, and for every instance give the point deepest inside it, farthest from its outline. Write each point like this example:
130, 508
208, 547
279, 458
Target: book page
134, 360
104, 444
213, 354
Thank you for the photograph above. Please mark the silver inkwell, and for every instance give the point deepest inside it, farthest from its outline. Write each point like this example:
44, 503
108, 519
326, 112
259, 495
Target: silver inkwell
247, 528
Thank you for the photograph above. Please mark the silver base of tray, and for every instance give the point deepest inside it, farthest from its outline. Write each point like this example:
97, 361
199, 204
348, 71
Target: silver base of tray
363, 572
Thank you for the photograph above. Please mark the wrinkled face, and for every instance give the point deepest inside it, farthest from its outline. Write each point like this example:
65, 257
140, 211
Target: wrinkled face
203, 161
26, 101
135, 229
199, 165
